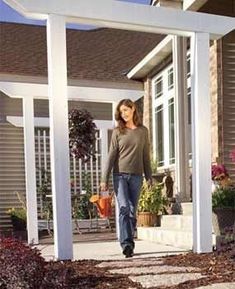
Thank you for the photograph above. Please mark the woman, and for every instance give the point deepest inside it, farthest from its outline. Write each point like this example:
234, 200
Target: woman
129, 158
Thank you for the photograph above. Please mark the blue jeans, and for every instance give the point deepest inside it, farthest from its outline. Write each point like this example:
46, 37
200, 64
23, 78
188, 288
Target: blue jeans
127, 189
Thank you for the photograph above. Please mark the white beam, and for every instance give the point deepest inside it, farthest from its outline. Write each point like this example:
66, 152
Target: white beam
201, 144
59, 137
30, 171
44, 122
96, 94
128, 16
181, 119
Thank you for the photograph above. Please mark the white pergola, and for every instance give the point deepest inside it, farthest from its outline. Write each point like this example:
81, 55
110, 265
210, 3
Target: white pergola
110, 13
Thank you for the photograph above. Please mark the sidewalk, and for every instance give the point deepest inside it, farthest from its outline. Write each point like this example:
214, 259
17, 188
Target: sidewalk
146, 267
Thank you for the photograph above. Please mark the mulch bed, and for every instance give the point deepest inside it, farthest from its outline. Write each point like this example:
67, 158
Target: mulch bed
218, 266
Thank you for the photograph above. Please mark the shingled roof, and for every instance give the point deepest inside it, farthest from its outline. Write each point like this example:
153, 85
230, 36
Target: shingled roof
101, 54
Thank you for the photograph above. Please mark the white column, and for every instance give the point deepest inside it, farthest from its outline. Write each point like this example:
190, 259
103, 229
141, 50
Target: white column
59, 140
201, 144
181, 117
114, 105
104, 147
30, 171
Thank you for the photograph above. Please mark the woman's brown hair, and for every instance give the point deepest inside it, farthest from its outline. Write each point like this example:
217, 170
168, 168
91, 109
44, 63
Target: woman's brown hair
136, 117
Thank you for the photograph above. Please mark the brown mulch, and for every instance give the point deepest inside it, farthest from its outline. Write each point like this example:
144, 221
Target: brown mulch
217, 267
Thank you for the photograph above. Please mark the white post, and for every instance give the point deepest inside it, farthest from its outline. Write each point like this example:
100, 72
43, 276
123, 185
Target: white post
104, 147
114, 105
181, 117
201, 144
59, 141
30, 171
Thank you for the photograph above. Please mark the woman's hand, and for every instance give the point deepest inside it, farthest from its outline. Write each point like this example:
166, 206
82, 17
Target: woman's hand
103, 187
150, 183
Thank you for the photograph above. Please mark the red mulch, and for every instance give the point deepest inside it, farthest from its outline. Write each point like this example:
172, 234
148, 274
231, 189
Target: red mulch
217, 267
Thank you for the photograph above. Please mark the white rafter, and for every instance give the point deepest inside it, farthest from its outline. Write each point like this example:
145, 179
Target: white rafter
128, 16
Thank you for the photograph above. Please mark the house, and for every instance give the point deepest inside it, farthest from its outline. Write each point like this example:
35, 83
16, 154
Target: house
98, 61
157, 72
148, 71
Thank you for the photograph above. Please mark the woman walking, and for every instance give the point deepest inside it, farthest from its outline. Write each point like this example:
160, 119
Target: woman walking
129, 158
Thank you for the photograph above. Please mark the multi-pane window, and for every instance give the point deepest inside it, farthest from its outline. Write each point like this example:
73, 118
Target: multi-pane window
158, 87
159, 130
170, 78
171, 113
164, 116
188, 65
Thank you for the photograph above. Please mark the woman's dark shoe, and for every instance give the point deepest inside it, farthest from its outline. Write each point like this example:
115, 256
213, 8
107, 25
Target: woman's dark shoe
128, 251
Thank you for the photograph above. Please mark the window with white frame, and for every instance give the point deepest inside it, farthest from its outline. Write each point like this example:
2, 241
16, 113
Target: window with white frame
164, 115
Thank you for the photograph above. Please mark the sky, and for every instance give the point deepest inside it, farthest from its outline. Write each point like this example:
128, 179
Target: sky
7, 14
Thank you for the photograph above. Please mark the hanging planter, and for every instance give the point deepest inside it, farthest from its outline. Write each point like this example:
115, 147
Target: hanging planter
82, 134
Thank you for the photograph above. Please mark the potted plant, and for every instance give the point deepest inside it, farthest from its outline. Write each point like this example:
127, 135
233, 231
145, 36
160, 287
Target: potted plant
18, 215
18, 218
223, 207
151, 204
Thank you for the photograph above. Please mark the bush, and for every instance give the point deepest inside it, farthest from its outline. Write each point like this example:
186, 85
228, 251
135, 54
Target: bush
21, 267
151, 198
223, 198
57, 276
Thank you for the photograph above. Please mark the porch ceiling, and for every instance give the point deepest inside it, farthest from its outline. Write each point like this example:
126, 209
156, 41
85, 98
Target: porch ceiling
115, 14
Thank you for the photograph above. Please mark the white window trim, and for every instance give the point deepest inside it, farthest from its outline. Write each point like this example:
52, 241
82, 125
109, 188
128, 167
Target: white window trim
164, 100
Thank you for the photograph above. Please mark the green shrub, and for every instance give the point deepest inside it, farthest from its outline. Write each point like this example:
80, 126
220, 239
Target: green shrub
151, 198
223, 198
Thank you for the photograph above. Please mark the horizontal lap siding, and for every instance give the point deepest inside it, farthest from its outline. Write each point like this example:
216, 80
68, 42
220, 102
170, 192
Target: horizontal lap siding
229, 101
12, 176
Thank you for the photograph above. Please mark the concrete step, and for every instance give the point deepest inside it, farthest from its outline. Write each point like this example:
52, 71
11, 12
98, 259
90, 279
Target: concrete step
172, 222
187, 209
176, 238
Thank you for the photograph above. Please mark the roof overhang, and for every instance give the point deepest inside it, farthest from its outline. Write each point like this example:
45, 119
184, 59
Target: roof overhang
128, 16
160, 52
193, 5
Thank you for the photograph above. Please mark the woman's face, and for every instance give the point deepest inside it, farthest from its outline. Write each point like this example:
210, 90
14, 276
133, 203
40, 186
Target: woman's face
126, 113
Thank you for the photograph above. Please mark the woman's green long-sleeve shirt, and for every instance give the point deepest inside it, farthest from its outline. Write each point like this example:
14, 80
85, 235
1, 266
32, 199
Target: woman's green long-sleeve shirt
129, 153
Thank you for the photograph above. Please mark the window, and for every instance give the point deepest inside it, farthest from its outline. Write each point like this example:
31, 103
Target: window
171, 113
158, 87
159, 135
164, 116
188, 65
163, 125
170, 78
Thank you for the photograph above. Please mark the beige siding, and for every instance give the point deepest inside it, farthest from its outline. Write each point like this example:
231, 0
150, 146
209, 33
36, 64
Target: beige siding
12, 177
9, 106
229, 100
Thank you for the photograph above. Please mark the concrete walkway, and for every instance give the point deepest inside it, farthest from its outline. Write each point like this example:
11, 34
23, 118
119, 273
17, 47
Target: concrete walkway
145, 267
111, 250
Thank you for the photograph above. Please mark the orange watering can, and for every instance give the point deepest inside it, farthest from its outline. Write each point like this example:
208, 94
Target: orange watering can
103, 203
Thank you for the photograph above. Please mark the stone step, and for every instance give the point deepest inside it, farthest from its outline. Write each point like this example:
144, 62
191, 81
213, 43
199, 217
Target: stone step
187, 209
176, 238
182, 222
